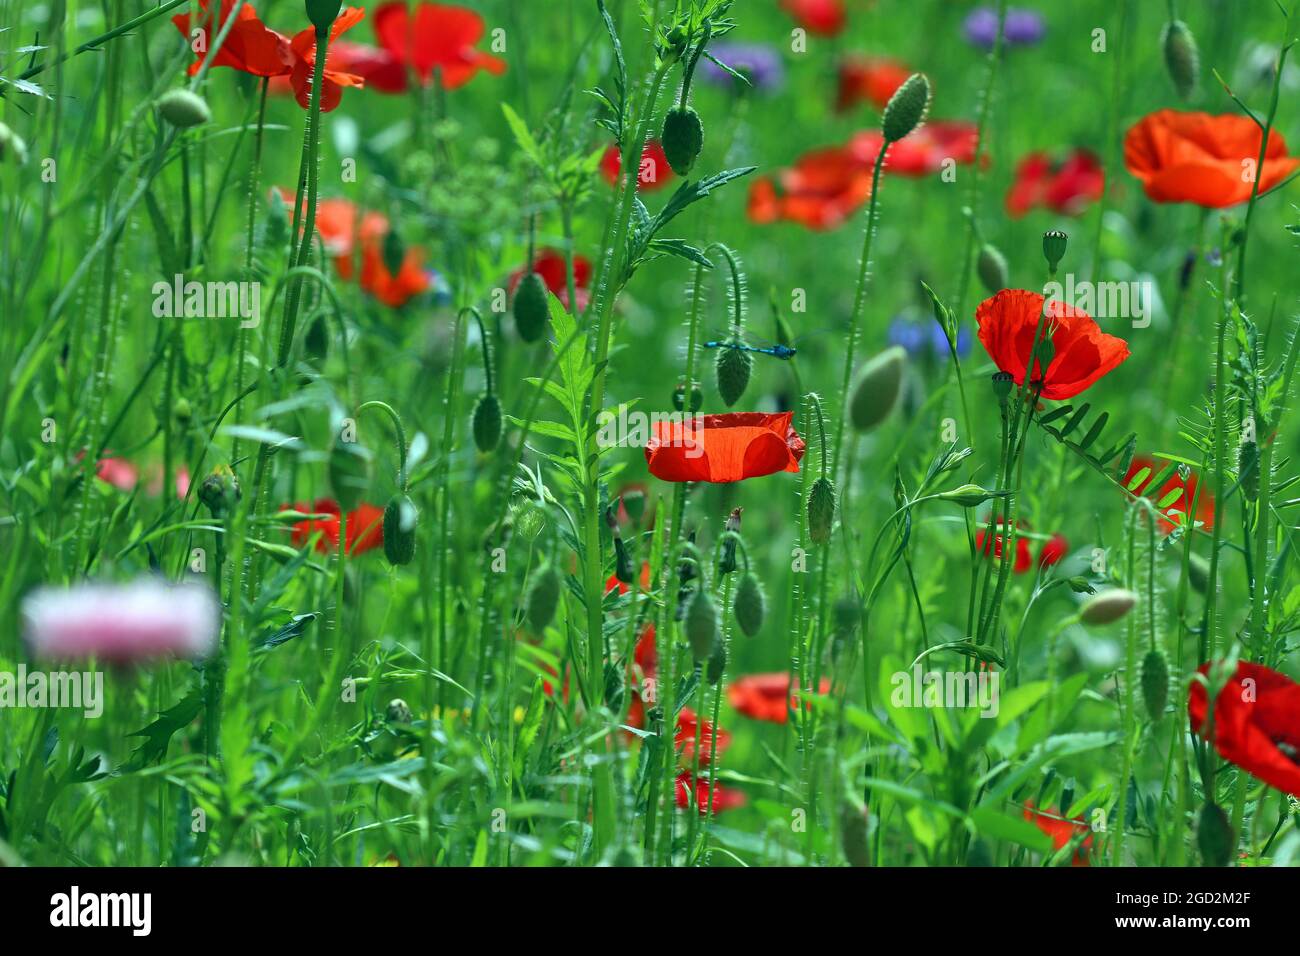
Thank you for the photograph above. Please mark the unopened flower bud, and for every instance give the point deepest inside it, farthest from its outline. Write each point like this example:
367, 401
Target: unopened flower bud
1108, 607
184, 109
906, 108
683, 138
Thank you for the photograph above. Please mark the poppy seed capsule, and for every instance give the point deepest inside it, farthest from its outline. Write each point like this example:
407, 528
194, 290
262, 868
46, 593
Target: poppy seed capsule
1181, 57
530, 307
992, 269
399, 530
749, 605
1054, 245
683, 138
1214, 836
487, 423
701, 624
1108, 607
543, 597
1155, 682
1002, 382
733, 374
876, 391
184, 109
323, 13
906, 108
821, 510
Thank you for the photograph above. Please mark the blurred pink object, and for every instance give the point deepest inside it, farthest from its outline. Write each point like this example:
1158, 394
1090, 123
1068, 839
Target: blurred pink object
118, 472
122, 623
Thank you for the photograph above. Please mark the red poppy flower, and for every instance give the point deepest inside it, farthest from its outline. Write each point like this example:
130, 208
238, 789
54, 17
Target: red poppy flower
921, 152
1066, 187
550, 264
1204, 507
767, 696
1256, 723
378, 67
655, 171
820, 191
724, 448
870, 79
1203, 159
249, 47
1024, 558
118, 472
710, 737
716, 796
303, 48
1053, 550
442, 38
819, 17
1083, 353
365, 526
1062, 831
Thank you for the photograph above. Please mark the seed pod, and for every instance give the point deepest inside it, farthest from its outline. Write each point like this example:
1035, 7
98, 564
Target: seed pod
1214, 836
733, 374
679, 398
683, 138
1002, 383
906, 108
399, 529
1155, 682
349, 473
1054, 245
717, 663
184, 109
1108, 607
1198, 573
821, 510
879, 383
853, 834
1181, 57
701, 624
1248, 469
543, 597
322, 13
992, 269
749, 605
12, 145
530, 307
487, 423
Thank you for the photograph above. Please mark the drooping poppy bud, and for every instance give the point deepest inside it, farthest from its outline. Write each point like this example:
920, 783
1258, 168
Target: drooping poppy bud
1108, 607
683, 138
1155, 682
399, 529
1214, 836
530, 307
992, 268
701, 624
821, 510
876, 391
906, 108
1181, 57
487, 423
733, 374
543, 597
750, 606
183, 109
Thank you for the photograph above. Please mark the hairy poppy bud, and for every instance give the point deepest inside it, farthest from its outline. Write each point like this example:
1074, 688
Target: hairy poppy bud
1248, 469
727, 562
701, 624
733, 374
1155, 682
750, 606
220, 491
487, 422
349, 473
717, 663
398, 712
1108, 606
992, 268
1181, 57
543, 597
1054, 243
906, 108
683, 138
821, 510
399, 529
323, 13
12, 145
679, 397
183, 108
530, 307
1198, 573
1214, 836
876, 391
853, 834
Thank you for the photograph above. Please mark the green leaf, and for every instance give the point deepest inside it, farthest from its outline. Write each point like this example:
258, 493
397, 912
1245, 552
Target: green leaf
159, 733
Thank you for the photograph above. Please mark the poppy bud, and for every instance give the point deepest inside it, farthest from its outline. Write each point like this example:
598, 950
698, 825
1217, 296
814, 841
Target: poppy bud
1043, 355
1054, 243
349, 473
183, 109
623, 569
968, 496
679, 397
876, 392
394, 252
220, 491
11, 144
399, 530
398, 712
1214, 836
1248, 469
701, 624
906, 108
1198, 573
683, 138
1181, 57
992, 268
530, 307
543, 597
727, 563
853, 834
322, 13
487, 423
733, 374
717, 663
821, 510
1080, 585
1108, 607
182, 410
1155, 682
1002, 382
750, 606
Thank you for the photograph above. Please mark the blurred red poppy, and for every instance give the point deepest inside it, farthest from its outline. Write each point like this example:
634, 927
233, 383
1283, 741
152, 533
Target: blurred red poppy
249, 47
378, 67
1204, 506
303, 48
1082, 352
724, 448
1053, 550
709, 737
820, 191
1062, 831
655, 171
441, 39
868, 79
819, 17
716, 797
1065, 186
613, 582
550, 264
1203, 159
1256, 723
118, 472
1024, 558
365, 526
768, 696
921, 152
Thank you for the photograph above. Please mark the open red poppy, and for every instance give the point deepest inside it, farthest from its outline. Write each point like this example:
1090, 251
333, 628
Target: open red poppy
654, 173
820, 191
768, 696
819, 17
724, 448
1062, 831
710, 737
1065, 186
1053, 550
1204, 506
441, 38
868, 79
250, 46
993, 549
1083, 353
365, 526
303, 48
1203, 159
921, 152
716, 796
1256, 723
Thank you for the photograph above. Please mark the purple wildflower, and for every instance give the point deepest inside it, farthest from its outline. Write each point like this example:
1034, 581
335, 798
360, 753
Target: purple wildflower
758, 61
1023, 27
